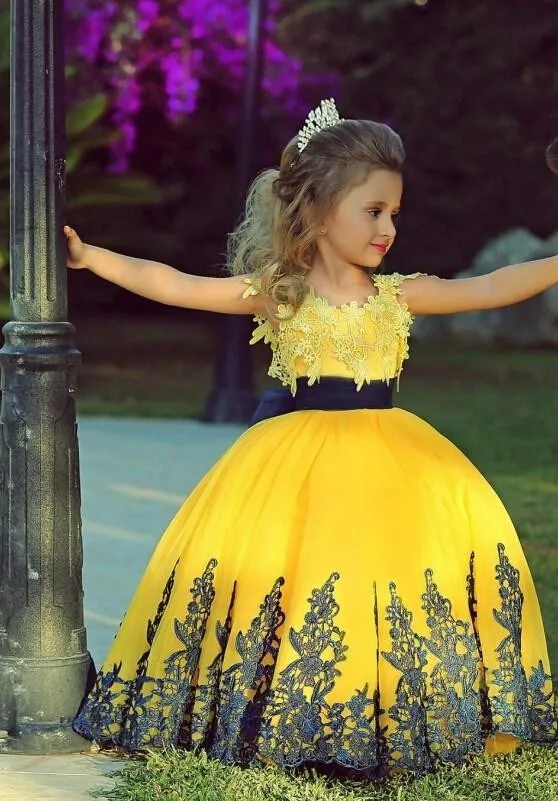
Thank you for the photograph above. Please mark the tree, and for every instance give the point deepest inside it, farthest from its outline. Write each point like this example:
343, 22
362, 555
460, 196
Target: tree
89, 188
159, 52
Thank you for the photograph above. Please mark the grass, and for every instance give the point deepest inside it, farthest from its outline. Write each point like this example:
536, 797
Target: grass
499, 406
530, 775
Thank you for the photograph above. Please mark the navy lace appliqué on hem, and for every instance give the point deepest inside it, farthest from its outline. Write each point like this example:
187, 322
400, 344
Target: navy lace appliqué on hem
249, 712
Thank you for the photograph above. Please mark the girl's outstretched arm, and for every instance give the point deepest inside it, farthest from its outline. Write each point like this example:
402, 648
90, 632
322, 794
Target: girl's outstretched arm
502, 287
162, 283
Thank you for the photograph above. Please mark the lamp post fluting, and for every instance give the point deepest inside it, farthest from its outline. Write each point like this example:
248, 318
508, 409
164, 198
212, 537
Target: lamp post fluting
44, 663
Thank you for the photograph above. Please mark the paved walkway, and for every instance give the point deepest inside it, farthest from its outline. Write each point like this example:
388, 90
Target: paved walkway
53, 778
134, 474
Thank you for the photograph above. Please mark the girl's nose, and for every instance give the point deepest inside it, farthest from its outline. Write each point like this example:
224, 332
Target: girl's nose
388, 228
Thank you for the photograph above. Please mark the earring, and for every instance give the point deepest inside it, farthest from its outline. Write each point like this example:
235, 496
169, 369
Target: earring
323, 231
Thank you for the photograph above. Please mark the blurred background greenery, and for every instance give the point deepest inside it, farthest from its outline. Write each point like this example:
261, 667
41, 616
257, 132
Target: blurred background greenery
471, 87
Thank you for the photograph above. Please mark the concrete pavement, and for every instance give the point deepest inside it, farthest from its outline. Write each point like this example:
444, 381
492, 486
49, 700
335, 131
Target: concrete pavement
53, 778
134, 475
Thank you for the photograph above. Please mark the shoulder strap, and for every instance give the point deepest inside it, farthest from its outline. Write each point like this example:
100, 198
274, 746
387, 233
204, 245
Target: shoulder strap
391, 284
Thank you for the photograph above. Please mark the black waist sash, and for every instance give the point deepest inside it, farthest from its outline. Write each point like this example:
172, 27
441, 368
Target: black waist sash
330, 394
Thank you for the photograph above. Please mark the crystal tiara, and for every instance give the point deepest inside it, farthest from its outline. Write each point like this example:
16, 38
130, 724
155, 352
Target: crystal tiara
324, 116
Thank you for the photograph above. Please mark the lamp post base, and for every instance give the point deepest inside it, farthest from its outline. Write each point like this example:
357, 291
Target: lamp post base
39, 703
45, 667
44, 741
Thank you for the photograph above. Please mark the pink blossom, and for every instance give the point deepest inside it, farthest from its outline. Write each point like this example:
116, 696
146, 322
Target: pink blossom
185, 41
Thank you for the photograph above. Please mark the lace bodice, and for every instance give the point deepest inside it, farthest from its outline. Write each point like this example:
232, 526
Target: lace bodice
367, 341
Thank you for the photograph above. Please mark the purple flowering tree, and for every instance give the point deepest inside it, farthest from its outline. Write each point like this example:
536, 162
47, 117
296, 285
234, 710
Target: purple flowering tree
160, 51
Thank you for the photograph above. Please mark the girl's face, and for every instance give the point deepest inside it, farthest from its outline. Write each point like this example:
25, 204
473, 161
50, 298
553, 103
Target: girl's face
361, 229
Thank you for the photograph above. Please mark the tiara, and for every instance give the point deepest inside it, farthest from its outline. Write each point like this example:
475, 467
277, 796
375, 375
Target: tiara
324, 116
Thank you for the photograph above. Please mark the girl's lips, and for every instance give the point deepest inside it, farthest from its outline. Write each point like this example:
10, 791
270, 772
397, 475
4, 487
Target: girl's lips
381, 248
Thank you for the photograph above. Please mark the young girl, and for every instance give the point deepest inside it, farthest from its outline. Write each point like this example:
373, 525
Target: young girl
343, 587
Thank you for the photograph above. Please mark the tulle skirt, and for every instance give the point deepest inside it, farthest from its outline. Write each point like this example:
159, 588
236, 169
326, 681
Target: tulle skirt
342, 588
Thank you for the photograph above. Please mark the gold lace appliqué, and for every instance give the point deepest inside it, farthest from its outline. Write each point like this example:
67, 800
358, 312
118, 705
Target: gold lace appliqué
317, 327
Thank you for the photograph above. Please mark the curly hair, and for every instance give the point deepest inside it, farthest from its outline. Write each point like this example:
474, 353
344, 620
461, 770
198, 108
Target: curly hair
276, 238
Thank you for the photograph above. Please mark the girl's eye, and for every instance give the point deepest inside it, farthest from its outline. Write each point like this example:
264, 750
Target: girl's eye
376, 213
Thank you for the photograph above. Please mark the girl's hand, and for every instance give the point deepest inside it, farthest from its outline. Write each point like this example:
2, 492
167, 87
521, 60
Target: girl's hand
76, 250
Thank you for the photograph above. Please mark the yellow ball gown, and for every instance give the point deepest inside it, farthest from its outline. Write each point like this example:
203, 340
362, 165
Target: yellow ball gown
342, 588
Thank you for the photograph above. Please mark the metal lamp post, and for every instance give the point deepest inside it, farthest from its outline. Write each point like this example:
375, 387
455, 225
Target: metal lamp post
44, 662
232, 398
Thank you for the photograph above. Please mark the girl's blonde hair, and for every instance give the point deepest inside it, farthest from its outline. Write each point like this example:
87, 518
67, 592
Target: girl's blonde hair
276, 238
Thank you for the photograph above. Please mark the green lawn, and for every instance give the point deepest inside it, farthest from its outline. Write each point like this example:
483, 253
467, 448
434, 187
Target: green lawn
531, 775
499, 406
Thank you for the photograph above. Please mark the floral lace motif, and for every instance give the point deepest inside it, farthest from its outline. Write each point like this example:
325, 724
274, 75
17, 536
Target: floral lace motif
350, 332
250, 712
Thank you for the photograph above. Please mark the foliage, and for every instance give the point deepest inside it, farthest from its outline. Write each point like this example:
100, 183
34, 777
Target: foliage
181, 776
89, 188
470, 86
159, 52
